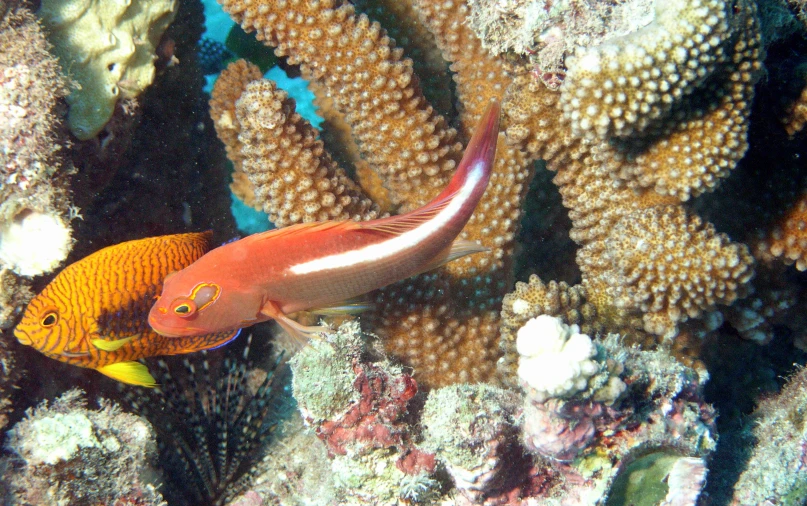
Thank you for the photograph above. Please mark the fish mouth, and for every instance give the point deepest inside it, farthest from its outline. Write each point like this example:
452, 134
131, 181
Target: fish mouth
23, 338
177, 331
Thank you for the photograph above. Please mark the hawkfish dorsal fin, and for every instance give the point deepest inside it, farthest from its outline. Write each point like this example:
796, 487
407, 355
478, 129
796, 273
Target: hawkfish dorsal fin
302, 228
112, 344
397, 225
133, 373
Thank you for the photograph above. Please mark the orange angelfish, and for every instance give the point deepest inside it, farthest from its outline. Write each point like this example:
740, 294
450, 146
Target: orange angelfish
93, 313
319, 265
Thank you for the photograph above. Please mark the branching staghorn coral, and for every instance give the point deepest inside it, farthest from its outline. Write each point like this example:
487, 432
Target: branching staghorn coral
638, 135
279, 152
630, 134
451, 313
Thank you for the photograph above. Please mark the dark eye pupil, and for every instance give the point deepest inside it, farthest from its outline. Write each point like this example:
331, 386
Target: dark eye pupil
182, 309
49, 320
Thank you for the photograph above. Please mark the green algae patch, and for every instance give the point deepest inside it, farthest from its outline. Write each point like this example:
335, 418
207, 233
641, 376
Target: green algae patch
644, 481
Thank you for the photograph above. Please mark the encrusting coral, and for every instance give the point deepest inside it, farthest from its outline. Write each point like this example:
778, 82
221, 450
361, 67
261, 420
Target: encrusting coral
34, 199
357, 407
68, 454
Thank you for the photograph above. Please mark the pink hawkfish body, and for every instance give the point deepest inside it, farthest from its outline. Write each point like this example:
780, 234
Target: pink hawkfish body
319, 265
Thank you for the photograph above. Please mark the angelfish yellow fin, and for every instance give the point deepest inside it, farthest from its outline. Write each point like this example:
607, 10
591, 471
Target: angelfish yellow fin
458, 249
133, 373
112, 345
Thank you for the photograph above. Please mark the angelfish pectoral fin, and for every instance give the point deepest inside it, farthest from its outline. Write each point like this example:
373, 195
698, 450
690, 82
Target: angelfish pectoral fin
133, 373
112, 345
301, 333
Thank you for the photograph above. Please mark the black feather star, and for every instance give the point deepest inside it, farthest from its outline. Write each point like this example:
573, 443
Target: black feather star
212, 421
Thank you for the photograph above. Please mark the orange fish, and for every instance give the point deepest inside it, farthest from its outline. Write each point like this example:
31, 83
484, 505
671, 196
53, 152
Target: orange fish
318, 265
93, 313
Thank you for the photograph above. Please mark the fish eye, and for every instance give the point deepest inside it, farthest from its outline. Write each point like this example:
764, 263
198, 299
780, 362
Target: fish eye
50, 319
185, 308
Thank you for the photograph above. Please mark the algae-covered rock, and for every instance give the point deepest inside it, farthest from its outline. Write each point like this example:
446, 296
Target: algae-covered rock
107, 47
64, 453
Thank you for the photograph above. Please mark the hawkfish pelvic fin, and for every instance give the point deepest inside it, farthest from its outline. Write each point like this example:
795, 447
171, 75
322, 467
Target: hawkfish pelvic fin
132, 373
301, 333
112, 344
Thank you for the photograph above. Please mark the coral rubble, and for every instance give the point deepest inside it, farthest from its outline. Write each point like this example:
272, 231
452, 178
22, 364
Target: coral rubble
66, 453
473, 431
497, 444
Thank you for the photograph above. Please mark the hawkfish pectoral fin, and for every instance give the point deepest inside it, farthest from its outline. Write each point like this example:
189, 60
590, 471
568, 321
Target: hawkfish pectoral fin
112, 344
300, 333
348, 307
133, 373
458, 249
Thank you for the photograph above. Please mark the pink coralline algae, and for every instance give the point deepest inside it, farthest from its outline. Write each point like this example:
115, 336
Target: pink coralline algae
357, 407
373, 420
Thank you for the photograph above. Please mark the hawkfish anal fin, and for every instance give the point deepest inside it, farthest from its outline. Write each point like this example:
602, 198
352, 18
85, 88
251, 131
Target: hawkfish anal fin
132, 373
112, 344
300, 333
458, 249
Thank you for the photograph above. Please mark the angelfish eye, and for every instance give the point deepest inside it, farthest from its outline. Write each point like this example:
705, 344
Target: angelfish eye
182, 309
49, 320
